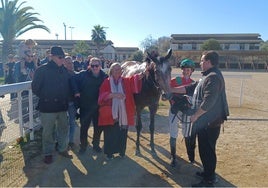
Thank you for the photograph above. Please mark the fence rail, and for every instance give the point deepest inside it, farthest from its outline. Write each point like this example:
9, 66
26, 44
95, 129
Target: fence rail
242, 78
17, 114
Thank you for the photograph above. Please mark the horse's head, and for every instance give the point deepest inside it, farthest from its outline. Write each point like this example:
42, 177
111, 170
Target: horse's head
162, 72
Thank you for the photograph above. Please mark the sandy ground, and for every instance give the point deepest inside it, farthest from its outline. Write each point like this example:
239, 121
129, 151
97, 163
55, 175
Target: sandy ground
242, 152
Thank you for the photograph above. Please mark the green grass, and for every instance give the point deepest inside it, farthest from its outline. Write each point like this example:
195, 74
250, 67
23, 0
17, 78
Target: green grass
2, 79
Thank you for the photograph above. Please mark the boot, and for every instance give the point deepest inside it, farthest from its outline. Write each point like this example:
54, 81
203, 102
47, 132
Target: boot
173, 151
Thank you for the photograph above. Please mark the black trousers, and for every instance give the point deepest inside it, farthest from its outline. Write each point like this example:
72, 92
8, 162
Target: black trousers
190, 143
115, 139
207, 139
85, 120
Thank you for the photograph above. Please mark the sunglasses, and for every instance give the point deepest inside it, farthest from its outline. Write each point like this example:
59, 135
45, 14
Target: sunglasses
30, 56
60, 57
94, 66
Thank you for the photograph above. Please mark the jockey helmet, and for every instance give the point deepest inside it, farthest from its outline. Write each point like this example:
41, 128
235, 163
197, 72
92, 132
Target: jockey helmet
187, 63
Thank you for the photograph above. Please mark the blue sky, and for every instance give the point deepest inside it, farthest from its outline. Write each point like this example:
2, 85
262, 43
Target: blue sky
129, 22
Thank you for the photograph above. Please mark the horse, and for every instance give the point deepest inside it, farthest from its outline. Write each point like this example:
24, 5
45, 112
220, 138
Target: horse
155, 83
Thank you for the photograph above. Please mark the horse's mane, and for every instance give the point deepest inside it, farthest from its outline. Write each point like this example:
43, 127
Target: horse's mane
130, 68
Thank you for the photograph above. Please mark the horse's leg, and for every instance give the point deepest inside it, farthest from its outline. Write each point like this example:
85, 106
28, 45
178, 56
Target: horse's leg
152, 109
138, 129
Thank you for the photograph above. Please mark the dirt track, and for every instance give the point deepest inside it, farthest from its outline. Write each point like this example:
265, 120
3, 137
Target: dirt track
240, 163
242, 153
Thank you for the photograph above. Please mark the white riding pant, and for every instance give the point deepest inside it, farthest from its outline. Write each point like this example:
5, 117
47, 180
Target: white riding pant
179, 121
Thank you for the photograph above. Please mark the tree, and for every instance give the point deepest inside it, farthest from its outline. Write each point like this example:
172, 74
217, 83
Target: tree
264, 46
163, 44
211, 44
149, 44
98, 36
16, 20
137, 56
81, 47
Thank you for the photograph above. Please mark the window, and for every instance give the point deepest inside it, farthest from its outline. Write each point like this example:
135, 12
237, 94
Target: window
251, 47
194, 47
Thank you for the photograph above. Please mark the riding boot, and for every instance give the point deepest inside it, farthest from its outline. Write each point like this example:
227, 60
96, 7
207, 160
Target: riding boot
173, 151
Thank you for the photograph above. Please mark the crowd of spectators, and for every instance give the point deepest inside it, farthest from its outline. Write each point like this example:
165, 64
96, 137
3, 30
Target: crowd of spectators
64, 84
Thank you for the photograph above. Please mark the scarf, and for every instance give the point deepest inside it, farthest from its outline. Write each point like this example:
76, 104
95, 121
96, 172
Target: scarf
118, 105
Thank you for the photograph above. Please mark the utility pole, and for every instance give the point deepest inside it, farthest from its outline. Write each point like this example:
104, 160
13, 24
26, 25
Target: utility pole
71, 28
57, 36
64, 30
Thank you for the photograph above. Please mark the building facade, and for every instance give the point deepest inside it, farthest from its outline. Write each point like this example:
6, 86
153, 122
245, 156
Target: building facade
107, 50
228, 42
239, 51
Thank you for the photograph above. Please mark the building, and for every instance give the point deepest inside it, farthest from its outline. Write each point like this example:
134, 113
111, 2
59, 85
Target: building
107, 50
229, 42
239, 51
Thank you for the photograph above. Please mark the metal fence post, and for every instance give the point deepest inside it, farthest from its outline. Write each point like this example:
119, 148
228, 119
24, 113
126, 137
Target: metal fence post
31, 115
20, 113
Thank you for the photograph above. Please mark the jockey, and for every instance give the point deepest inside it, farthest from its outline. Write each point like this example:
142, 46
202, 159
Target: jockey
187, 66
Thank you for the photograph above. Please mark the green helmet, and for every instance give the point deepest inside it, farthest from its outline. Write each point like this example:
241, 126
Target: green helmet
187, 63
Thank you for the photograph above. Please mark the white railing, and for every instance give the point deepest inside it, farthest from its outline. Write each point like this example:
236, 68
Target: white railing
242, 78
18, 115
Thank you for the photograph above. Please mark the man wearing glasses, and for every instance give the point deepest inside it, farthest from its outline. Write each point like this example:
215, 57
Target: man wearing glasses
87, 83
51, 85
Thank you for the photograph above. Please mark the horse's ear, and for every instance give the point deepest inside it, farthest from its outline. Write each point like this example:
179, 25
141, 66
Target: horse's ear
169, 54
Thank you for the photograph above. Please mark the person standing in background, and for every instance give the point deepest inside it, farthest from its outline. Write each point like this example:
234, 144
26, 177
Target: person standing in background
24, 71
87, 62
71, 106
9, 69
78, 63
9, 73
46, 59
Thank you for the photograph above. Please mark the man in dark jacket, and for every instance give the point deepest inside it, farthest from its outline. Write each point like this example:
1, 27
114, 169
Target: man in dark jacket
211, 109
51, 85
87, 89
79, 63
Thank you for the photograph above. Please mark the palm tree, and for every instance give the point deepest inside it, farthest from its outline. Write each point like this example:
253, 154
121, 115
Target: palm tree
98, 36
16, 20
